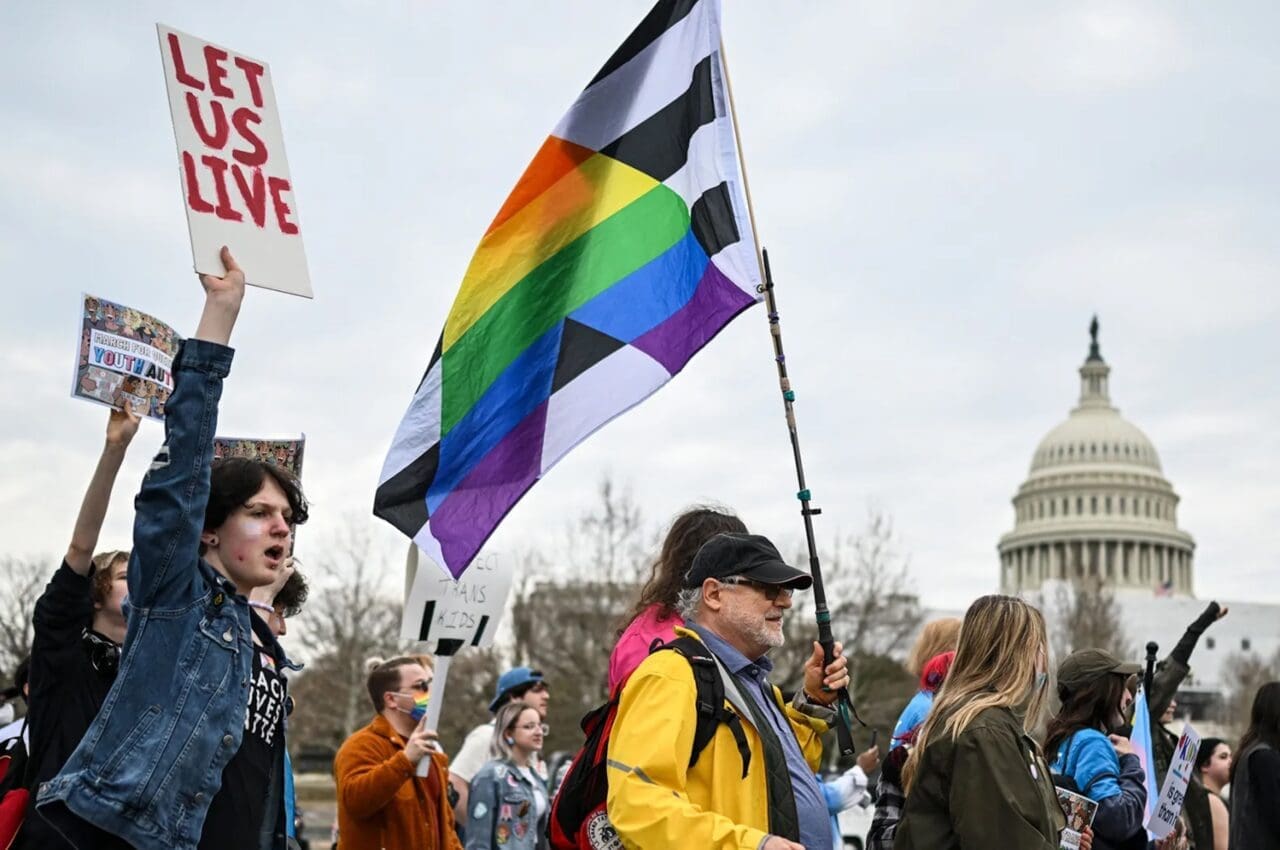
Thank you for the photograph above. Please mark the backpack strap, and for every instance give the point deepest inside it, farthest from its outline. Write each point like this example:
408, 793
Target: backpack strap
709, 701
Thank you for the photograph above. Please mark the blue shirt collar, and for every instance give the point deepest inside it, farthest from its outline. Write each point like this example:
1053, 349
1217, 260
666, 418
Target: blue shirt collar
732, 658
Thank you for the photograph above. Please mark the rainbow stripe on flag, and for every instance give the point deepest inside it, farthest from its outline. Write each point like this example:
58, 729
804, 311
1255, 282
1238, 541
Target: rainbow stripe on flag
624, 248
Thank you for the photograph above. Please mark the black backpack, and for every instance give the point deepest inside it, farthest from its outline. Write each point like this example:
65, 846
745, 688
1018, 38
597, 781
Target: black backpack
579, 820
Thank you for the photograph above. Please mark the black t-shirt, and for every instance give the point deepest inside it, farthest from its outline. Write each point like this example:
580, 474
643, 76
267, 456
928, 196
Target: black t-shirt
237, 811
67, 689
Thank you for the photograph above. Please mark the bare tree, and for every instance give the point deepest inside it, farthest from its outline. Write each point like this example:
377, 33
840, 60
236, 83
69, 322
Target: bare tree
1084, 615
874, 612
24, 581
1242, 674
567, 626
351, 616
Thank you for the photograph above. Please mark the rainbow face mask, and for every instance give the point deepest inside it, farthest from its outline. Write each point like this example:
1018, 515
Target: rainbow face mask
420, 702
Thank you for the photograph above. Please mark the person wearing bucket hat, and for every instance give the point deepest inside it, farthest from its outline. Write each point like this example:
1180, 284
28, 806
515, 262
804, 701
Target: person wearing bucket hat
522, 684
1094, 687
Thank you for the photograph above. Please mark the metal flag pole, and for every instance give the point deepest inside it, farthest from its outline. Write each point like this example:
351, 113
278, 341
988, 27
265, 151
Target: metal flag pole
844, 703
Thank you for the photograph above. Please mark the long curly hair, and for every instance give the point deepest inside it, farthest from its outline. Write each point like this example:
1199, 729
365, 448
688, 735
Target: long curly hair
685, 537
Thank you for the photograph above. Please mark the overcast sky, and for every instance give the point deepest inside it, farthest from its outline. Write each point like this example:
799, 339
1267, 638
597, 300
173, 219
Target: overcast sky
948, 192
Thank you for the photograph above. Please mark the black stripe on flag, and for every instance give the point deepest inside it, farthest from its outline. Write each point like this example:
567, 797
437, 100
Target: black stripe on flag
581, 347
435, 356
712, 220
659, 145
662, 17
402, 499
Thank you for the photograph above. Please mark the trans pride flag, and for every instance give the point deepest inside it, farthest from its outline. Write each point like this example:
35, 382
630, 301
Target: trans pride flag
1140, 738
623, 249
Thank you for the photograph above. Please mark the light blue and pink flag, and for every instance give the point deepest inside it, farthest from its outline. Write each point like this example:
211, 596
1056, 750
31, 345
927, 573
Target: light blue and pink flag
1141, 740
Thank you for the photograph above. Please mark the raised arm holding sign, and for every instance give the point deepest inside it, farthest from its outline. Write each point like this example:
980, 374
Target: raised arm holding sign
234, 174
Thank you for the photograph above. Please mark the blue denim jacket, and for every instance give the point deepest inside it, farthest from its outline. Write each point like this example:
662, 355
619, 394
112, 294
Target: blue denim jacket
153, 758
502, 810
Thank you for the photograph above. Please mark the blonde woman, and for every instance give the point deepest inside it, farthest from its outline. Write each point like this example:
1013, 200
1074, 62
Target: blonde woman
976, 778
508, 805
937, 637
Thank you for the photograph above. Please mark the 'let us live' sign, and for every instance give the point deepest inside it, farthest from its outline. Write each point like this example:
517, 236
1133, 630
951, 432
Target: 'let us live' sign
235, 176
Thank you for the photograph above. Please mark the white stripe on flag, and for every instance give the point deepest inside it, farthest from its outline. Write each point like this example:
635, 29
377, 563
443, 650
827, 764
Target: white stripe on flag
653, 78
420, 428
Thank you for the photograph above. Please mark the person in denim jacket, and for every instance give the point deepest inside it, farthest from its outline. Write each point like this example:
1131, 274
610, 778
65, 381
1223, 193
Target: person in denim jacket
177, 758
507, 806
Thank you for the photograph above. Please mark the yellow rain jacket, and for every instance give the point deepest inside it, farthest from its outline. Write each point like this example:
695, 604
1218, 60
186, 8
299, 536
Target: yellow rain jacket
656, 801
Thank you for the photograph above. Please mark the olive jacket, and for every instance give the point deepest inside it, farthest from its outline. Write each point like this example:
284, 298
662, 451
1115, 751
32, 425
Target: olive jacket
989, 787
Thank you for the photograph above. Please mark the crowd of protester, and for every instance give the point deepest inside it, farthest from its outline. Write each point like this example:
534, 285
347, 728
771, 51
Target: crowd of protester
157, 700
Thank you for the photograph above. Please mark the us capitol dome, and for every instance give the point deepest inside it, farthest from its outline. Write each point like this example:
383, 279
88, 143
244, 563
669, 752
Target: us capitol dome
1096, 504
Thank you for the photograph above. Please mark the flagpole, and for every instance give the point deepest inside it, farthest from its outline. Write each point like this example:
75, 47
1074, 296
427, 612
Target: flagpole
845, 710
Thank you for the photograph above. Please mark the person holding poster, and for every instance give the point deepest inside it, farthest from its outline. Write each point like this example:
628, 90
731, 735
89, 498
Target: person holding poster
188, 748
1094, 688
77, 627
382, 803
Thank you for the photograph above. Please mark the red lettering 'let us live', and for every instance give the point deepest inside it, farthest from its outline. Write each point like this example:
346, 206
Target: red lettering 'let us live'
248, 155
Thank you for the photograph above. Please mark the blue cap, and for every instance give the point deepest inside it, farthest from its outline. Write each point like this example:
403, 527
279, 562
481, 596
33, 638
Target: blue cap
515, 678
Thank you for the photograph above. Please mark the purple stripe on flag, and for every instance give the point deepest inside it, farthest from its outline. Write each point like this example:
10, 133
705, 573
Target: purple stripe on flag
716, 301
471, 512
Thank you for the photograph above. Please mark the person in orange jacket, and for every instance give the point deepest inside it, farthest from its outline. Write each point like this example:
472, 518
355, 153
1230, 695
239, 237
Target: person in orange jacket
382, 803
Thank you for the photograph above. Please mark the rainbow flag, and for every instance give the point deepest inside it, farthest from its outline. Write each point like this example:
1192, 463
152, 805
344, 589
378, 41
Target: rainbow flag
623, 249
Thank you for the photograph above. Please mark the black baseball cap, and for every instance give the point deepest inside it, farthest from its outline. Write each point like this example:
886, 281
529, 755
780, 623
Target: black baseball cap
747, 555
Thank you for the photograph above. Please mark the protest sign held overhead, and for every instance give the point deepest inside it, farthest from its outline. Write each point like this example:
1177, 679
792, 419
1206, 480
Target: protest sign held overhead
624, 248
234, 174
124, 358
283, 453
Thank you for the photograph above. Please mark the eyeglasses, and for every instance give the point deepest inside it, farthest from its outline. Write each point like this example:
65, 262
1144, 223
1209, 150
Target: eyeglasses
771, 591
529, 727
422, 686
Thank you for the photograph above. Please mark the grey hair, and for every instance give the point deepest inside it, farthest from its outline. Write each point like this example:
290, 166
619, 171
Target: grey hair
687, 603
505, 718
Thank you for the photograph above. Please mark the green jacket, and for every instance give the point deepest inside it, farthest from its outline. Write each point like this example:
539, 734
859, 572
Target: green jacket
988, 788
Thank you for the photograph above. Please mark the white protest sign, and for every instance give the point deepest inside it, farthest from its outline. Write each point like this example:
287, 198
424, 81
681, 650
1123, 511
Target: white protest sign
235, 177
1174, 789
440, 607
452, 613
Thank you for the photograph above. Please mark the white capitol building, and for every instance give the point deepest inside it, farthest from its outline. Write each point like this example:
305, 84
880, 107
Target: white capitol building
1096, 504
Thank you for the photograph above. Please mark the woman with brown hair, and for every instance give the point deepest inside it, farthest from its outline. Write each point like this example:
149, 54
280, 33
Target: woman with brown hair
1255, 776
1093, 686
976, 777
654, 616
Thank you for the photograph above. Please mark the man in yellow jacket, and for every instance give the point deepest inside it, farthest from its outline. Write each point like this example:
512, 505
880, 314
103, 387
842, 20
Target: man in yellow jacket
735, 595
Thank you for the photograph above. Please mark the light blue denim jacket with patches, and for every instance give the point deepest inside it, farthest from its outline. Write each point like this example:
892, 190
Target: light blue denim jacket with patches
502, 809
153, 758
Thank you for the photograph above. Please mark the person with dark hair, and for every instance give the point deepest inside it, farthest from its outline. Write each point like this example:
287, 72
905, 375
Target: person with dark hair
508, 802
1168, 677
188, 748
78, 624
1094, 688
519, 684
1255, 776
653, 618
383, 804
1213, 771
